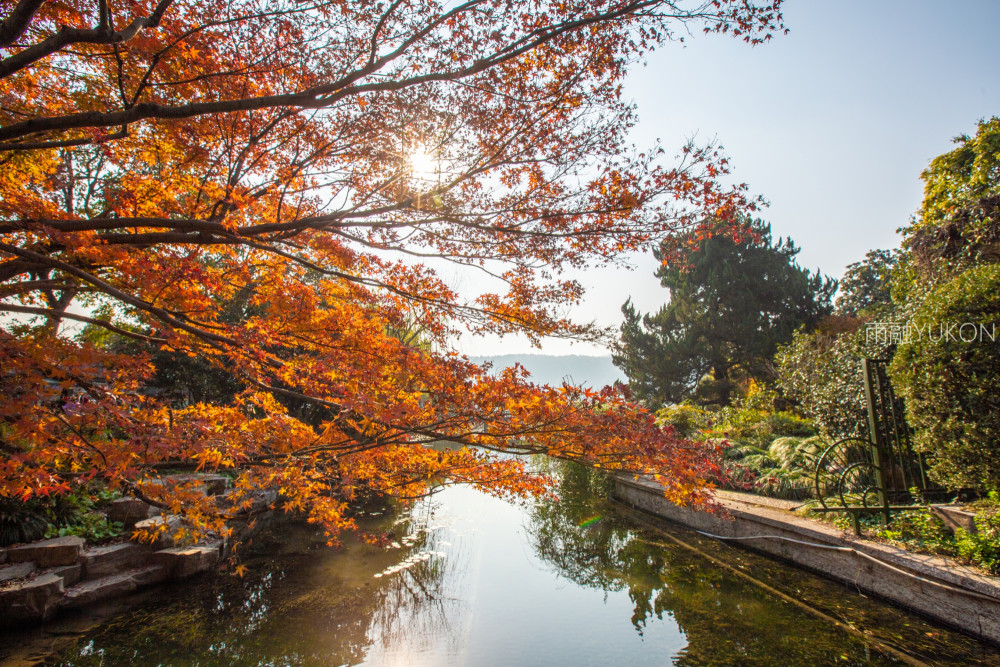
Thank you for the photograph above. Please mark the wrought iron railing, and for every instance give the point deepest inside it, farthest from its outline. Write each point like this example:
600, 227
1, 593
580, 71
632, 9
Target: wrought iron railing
876, 473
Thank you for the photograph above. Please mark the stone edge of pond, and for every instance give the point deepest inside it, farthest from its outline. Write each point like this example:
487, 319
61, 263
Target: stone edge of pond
949, 593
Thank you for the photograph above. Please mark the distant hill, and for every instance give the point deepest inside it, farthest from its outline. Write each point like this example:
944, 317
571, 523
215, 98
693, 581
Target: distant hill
550, 369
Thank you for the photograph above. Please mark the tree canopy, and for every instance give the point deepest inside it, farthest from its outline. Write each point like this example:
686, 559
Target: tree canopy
948, 278
733, 301
311, 161
865, 288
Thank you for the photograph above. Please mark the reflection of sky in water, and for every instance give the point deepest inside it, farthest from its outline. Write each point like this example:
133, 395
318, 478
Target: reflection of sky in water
472, 580
500, 605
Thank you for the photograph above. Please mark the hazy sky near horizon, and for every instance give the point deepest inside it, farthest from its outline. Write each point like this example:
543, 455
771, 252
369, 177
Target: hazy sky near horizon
832, 123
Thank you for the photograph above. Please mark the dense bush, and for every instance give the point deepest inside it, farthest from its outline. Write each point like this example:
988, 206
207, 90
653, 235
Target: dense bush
20, 521
950, 386
92, 526
760, 426
767, 451
687, 419
922, 531
822, 372
57, 515
983, 546
784, 469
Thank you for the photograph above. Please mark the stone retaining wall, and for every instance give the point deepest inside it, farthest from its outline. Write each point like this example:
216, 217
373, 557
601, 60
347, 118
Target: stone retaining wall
42, 578
39, 579
954, 595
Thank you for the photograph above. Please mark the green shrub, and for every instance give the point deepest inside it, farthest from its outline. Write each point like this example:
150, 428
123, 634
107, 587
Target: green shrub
58, 515
767, 451
687, 419
20, 521
822, 371
921, 531
950, 386
92, 526
753, 420
785, 469
983, 546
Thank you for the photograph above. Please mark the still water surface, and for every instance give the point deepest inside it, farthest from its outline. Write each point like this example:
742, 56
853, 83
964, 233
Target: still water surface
475, 580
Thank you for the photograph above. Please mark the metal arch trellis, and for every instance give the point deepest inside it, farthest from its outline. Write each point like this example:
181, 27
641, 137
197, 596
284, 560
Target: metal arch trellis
859, 475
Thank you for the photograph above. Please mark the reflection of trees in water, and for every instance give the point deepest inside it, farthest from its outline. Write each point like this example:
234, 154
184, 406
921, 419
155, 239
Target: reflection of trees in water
418, 609
311, 607
726, 620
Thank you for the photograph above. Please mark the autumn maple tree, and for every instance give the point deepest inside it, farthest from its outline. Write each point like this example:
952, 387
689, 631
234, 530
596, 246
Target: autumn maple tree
271, 189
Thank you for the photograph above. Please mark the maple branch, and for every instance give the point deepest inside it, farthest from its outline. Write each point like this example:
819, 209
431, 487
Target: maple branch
320, 96
56, 315
161, 314
103, 34
64, 143
14, 25
76, 431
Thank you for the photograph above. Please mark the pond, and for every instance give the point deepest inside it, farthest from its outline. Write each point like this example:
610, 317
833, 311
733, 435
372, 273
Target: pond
471, 579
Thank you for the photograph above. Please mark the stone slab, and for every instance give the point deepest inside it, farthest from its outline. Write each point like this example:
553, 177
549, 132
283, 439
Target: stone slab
154, 573
171, 523
183, 562
955, 518
16, 571
94, 590
116, 585
32, 600
104, 561
128, 511
70, 573
208, 483
49, 553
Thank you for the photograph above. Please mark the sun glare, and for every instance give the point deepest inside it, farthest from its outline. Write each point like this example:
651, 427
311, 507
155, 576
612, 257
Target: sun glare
423, 165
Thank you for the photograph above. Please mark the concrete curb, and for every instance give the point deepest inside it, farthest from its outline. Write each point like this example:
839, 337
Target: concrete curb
951, 594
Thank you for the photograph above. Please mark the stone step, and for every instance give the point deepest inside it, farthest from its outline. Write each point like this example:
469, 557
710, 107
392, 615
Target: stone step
107, 560
70, 574
183, 562
94, 590
128, 511
48, 553
166, 526
32, 600
955, 518
209, 484
16, 571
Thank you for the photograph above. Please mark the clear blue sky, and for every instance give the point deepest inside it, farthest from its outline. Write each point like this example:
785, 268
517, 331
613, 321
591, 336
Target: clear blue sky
832, 123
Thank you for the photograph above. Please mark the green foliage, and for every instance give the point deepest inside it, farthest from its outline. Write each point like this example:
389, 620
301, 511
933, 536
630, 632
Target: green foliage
64, 514
754, 420
920, 530
92, 526
983, 546
822, 372
958, 226
687, 419
784, 469
20, 521
771, 452
865, 287
57, 515
950, 386
961, 178
732, 302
